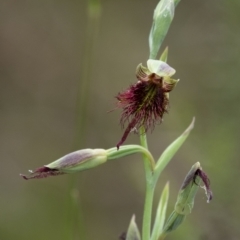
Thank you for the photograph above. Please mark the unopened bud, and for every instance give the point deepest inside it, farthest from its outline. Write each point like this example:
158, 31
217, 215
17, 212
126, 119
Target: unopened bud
70, 163
190, 186
186, 196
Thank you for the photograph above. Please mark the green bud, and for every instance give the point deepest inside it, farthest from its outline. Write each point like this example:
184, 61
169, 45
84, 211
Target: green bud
188, 191
186, 196
162, 18
76, 161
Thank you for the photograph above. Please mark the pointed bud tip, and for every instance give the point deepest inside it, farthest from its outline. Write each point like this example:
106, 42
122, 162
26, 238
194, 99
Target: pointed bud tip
197, 165
164, 55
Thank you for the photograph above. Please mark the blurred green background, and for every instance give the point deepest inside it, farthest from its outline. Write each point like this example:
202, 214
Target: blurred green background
45, 46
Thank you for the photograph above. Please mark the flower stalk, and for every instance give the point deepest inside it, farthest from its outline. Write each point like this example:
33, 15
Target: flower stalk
150, 187
152, 178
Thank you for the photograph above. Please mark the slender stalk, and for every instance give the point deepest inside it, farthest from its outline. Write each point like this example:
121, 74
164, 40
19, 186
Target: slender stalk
150, 186
131, 149
147, 214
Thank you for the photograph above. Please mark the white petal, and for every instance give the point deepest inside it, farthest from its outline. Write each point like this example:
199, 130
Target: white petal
160, 68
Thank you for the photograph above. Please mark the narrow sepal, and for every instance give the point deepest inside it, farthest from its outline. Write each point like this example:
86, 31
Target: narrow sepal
169, 84
164, 55
142, 73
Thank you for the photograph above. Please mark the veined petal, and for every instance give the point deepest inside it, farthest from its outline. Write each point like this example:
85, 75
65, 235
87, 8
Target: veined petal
160, 68
142, 73
169, 83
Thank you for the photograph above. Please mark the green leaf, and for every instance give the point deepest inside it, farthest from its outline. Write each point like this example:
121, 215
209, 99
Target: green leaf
161, 213
170, 151
133, 232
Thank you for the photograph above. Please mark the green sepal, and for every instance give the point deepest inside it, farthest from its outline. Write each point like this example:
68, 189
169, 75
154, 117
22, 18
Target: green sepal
169, 84
142, 72
133, 232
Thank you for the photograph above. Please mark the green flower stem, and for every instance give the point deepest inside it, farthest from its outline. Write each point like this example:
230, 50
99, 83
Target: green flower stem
149, 165
150, 186
153, 176
147, 214
143, 138
126, 150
